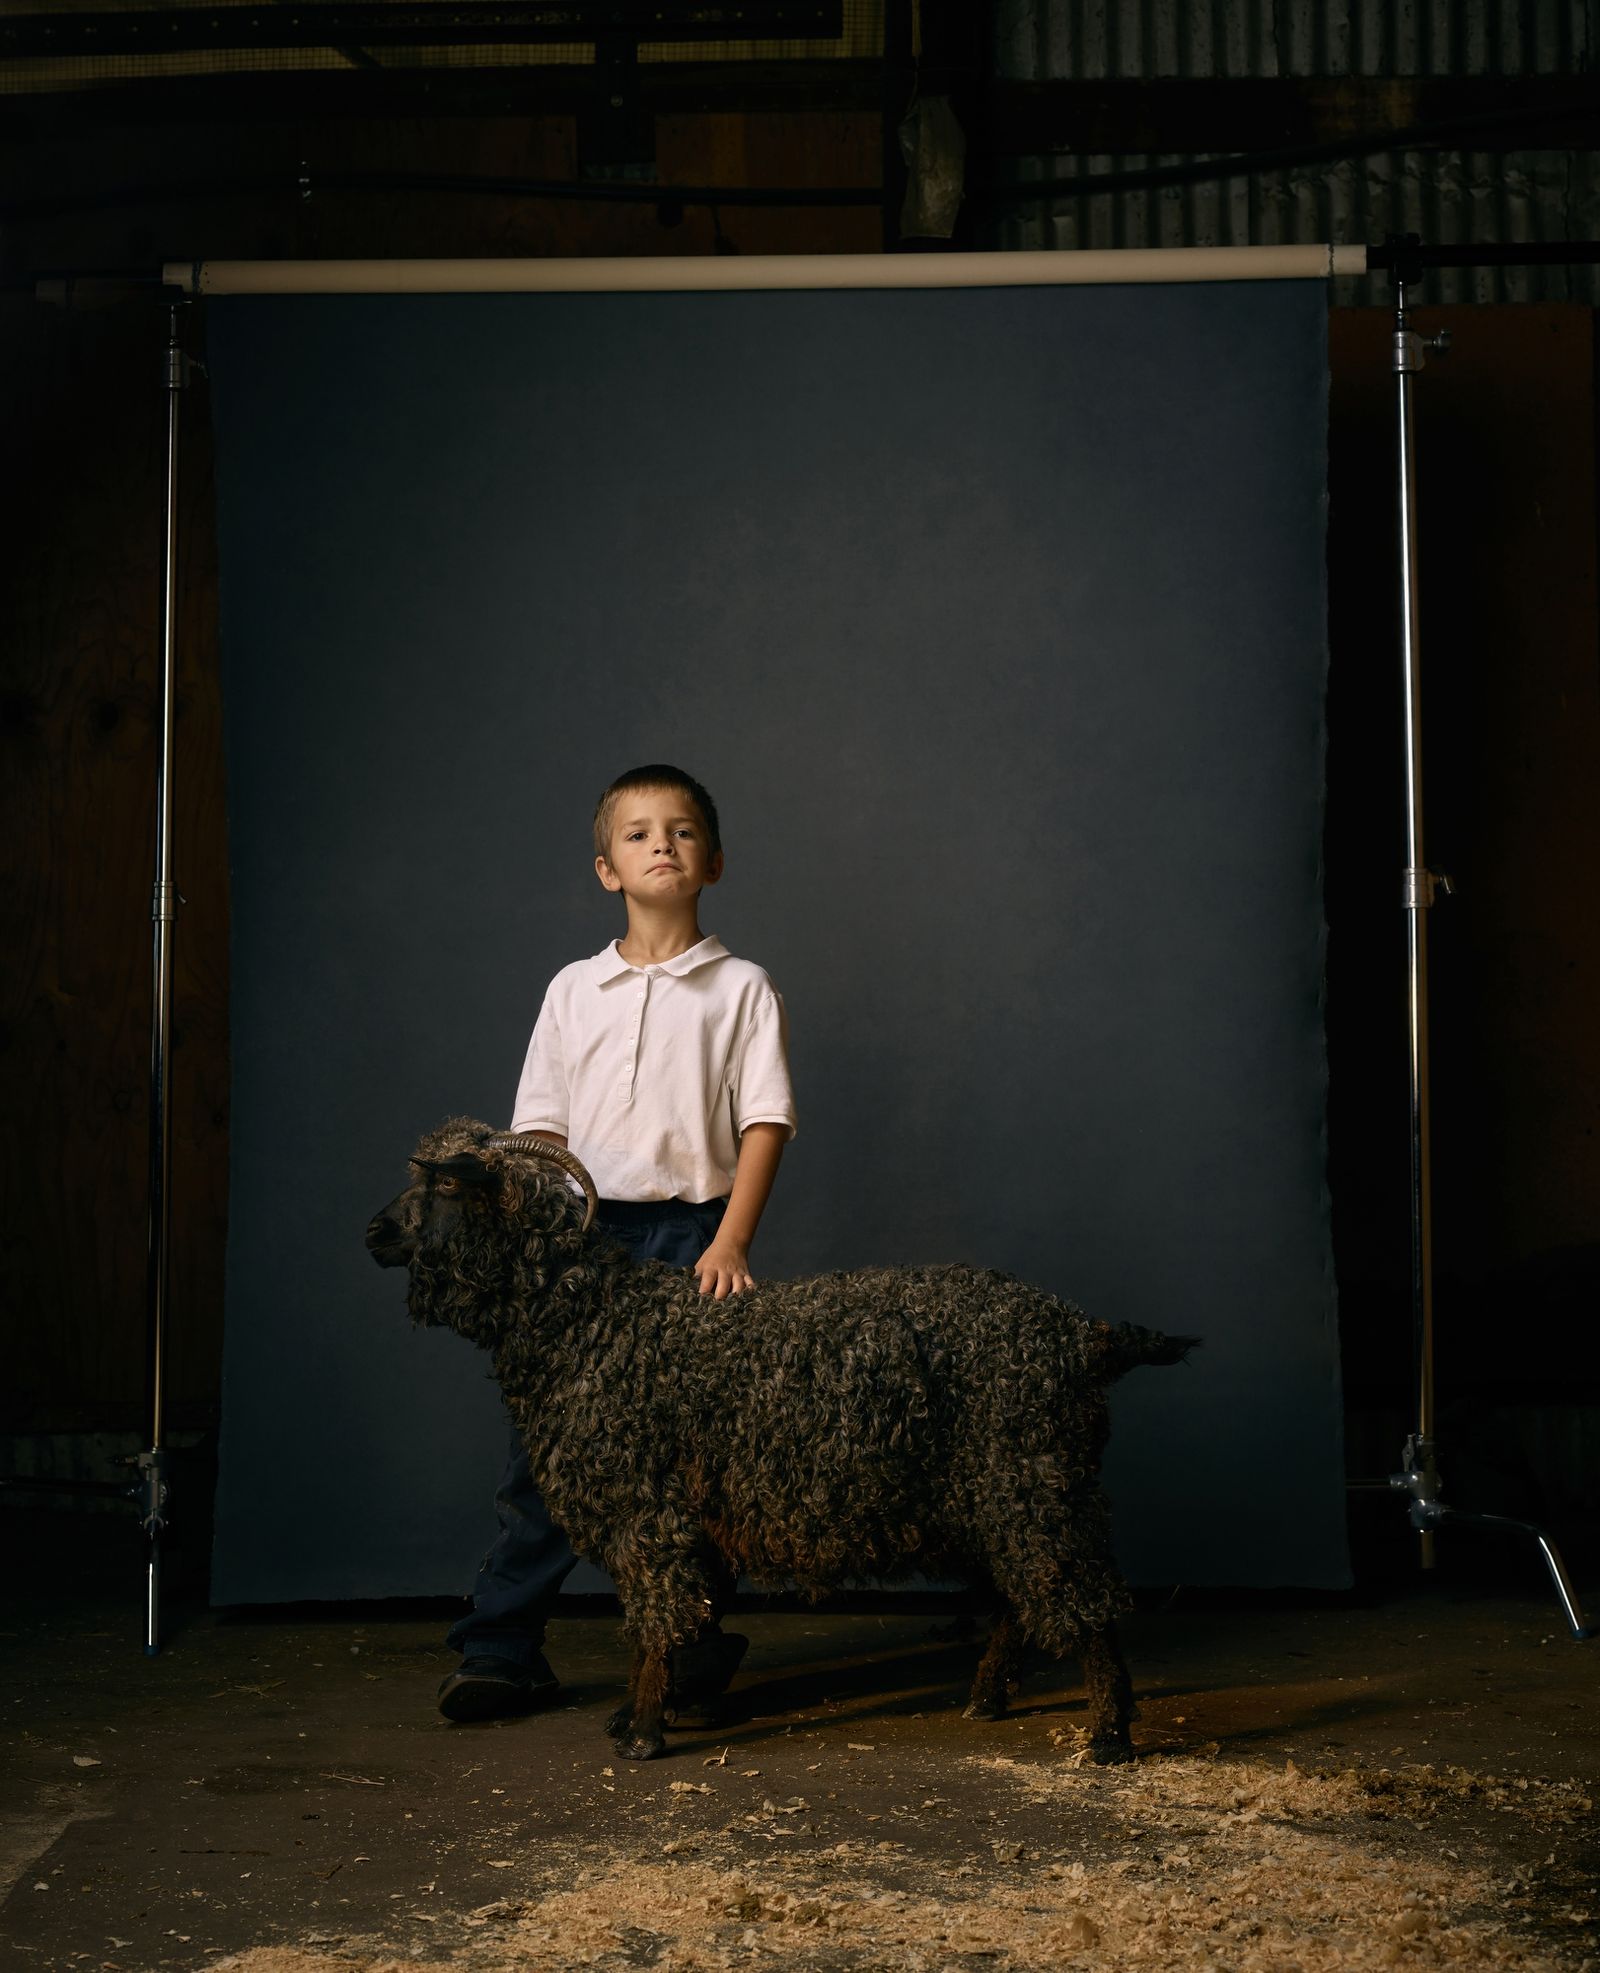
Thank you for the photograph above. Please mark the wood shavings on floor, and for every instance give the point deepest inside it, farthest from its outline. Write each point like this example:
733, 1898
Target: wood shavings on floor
1177, 1862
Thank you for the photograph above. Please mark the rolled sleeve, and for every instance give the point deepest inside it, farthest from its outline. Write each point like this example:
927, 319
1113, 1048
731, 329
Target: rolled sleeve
760, 1085
542, 1095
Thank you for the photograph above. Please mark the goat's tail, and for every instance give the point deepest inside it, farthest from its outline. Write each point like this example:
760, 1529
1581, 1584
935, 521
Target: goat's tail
1124, 1346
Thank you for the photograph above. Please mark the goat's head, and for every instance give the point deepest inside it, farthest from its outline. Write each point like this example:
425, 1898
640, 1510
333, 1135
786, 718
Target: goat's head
487, 1223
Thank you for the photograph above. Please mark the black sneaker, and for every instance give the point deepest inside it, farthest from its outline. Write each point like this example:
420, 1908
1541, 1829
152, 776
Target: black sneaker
496, 1688
701, 1672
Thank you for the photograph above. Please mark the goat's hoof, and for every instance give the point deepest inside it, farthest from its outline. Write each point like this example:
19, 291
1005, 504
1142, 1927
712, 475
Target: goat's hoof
641, 1746
985, 1709
617, 1723
1111, 1750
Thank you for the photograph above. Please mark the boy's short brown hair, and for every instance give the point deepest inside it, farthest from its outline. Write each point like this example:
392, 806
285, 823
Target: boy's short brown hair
657, 776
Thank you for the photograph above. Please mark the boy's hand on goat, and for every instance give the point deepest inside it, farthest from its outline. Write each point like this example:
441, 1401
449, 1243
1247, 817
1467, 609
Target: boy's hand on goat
724, 1269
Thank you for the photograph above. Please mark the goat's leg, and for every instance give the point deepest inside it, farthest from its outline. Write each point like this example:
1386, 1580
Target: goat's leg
1049, 1553
997, 1669
639, 1736
618, 1722
1110, 1693
663, 1608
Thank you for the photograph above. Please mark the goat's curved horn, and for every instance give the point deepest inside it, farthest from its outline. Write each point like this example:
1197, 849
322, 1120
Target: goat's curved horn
531, 1145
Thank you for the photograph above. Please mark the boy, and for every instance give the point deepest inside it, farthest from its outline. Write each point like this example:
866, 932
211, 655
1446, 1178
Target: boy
662, 1063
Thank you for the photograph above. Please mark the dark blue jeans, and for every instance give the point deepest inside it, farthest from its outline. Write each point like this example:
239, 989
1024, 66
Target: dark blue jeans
520, 1577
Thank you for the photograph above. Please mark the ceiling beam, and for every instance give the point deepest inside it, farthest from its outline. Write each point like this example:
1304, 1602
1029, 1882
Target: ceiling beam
1168, 115
1005, 119
68, 32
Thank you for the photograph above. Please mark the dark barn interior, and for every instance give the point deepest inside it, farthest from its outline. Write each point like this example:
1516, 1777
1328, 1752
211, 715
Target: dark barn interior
235, 1801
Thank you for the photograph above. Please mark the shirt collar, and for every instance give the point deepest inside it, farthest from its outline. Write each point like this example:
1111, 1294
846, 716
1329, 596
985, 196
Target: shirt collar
610, 964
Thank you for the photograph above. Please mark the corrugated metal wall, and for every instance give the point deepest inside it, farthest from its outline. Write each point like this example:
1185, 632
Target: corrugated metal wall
1445, 196
1064, 38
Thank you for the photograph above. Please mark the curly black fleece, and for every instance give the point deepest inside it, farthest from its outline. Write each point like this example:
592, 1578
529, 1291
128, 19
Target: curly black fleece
944, 1421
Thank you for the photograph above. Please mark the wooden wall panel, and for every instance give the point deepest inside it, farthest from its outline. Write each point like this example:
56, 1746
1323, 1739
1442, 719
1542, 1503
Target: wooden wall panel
85, 430
263, 214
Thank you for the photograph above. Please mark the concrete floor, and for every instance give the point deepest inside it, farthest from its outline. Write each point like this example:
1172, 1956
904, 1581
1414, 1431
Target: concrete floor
279, 1787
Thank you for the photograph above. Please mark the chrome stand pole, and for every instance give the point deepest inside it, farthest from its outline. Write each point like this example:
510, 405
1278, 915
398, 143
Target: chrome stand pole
1418, 1460
152, 1463
1419, 1474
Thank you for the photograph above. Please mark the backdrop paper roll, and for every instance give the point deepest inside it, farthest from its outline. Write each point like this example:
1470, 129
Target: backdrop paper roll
994, 619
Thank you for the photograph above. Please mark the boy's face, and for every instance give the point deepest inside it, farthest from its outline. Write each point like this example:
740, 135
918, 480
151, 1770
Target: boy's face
659, 848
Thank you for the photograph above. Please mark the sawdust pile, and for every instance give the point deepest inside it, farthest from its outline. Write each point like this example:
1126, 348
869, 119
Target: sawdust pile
1159, 1788
1177, 1863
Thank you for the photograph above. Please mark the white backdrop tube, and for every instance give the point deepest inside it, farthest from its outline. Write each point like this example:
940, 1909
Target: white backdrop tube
760, 271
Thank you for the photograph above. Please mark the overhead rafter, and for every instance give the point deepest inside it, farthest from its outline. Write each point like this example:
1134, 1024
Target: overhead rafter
1166, 115
528, 90
66, 33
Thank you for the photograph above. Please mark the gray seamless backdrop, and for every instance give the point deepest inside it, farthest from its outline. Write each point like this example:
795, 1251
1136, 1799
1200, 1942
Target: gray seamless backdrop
994, 619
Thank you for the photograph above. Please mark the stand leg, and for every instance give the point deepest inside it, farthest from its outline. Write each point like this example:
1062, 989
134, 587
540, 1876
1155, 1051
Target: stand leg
1420, 1479
152, 1491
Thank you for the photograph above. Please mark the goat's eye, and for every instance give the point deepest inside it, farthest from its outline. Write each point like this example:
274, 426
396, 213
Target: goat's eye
448, 1185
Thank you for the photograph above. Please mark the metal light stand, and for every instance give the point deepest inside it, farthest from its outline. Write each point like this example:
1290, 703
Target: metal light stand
1419, 1475
151, 1490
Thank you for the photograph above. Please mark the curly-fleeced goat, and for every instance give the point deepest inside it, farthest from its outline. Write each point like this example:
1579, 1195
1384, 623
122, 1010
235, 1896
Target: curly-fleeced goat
946, 1421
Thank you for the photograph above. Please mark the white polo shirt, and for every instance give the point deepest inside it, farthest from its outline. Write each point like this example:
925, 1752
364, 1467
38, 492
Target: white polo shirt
652, 1073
